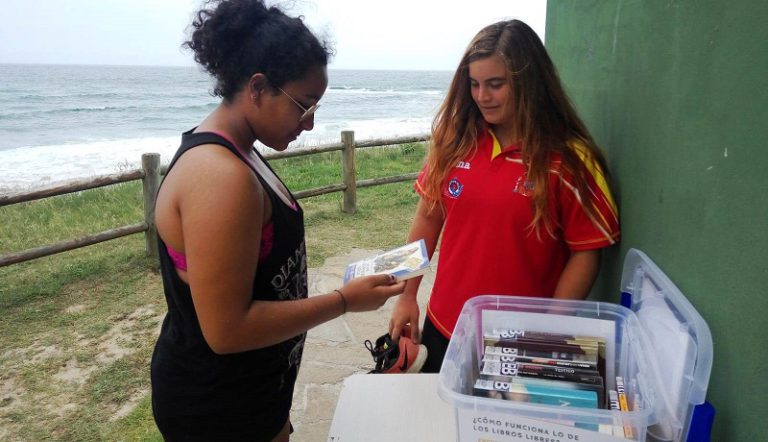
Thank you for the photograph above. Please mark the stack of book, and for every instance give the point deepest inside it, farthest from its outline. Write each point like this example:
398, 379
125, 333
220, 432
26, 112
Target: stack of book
545, 368
548, 368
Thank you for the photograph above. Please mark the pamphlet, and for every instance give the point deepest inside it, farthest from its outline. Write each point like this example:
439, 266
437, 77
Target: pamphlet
404, 262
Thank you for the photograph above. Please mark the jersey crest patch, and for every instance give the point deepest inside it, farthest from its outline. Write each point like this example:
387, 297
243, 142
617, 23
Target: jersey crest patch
455, 188
523, 186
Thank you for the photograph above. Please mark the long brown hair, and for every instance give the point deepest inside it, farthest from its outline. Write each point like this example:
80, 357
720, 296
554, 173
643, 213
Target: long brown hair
546, 122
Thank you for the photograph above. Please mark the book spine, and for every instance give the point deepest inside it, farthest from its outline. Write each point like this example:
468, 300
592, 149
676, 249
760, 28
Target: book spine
536, 352
545, 367
543, 337
349, 274
573, 347
540, 371
613, 398
493, 354
509, 333
623, 405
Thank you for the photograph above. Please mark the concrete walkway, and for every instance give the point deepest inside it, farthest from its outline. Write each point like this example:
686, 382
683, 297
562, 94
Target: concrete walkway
335, 350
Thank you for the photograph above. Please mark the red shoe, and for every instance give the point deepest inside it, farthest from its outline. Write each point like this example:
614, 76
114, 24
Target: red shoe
403, 357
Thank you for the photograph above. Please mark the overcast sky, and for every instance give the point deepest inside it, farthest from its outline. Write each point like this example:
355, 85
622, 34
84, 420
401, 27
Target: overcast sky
393, 34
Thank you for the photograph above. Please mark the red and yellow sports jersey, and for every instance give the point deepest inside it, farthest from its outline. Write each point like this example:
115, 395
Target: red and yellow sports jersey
488, 246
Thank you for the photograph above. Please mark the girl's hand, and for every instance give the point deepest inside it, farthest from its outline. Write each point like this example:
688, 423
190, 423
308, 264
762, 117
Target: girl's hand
370, 292
406, 312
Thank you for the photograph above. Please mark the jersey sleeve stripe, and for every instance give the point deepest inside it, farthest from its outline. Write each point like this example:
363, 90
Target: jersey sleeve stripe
597, 174
600, 226
613, 238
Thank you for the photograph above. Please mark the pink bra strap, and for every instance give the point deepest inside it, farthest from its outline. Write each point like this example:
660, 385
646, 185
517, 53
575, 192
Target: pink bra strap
179, 259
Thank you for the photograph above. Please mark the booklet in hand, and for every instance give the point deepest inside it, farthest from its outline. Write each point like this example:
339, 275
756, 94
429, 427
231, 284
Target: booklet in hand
404, 262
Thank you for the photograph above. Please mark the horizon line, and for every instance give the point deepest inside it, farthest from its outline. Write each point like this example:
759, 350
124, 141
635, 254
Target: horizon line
330, 68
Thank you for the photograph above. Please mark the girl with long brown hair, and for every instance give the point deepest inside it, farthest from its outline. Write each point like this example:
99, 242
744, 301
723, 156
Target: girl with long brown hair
515, 184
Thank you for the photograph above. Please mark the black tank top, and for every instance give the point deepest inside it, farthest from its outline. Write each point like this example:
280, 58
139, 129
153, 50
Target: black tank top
245, 394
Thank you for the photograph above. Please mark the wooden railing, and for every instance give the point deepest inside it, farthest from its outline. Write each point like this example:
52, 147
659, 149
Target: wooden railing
151, 172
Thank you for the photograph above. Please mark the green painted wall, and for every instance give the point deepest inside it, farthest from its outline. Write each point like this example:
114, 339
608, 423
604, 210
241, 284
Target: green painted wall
676, 92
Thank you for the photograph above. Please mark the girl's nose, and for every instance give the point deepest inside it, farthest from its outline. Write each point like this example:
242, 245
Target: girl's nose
483, 93
309, 123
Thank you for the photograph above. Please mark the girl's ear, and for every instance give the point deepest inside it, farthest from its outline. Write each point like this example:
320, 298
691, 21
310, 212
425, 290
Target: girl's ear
257, 84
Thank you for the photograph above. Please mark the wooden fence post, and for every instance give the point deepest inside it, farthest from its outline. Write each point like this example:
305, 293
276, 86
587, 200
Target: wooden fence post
150, 162
348, 171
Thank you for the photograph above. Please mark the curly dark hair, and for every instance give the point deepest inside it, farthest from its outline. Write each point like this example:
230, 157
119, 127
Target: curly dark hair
233, 39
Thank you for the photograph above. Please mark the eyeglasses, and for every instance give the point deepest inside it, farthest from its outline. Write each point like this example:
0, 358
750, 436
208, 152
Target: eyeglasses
307, 112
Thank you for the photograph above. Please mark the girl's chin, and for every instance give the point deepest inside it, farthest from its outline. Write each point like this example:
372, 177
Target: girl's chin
492, 119
278, 145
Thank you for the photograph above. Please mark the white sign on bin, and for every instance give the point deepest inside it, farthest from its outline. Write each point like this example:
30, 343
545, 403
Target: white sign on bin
495, 427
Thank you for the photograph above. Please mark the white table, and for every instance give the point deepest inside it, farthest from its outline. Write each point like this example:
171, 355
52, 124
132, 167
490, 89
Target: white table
392, 407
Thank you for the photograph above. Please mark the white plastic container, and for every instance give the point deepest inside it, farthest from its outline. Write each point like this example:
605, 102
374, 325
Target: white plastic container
661, 347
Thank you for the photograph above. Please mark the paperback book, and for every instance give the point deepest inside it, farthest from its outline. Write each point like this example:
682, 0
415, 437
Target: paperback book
504, 369
508, 354
404, 262
536, 352
536, 393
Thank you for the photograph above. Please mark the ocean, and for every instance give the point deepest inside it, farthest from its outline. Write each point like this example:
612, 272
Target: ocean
59, 123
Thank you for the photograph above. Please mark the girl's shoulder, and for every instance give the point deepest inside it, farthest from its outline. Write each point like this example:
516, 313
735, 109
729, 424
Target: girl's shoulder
580, 153
581, 149
579, 156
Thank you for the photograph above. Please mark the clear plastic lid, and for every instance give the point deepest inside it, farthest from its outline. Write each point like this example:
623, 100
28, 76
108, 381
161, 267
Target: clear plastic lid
680, 339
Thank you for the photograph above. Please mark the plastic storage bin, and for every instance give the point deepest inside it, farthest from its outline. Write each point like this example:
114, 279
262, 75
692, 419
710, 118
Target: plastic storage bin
660, 346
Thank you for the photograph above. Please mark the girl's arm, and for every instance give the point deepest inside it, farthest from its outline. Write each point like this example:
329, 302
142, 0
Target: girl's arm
427, 224
222, 213
579, 275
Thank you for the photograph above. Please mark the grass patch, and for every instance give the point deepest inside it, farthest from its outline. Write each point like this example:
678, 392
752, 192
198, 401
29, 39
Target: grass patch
77, 329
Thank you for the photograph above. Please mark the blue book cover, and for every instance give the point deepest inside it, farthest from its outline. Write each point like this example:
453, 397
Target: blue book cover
535, 393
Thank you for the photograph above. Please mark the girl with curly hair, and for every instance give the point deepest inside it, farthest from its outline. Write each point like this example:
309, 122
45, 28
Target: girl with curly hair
232, 248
